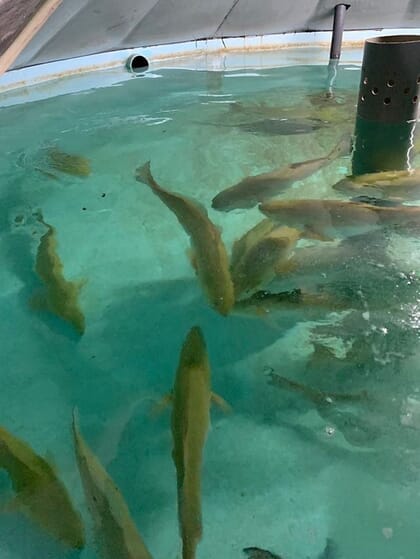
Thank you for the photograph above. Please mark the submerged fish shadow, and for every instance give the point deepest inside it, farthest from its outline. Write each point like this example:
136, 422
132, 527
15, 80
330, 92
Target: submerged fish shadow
148, 324
21, 539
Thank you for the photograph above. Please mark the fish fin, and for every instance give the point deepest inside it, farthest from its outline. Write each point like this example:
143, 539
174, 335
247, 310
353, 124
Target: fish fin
220, 403
160, 406
192, 257
330, 550
285, 267
50, 458
75, 417
311, 233
261, 311
80, 284
11, 505
144, 174
38, 302
47, 174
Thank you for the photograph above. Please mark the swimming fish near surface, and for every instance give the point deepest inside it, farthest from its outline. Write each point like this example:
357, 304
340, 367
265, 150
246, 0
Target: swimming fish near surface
257, 553
282, 126
374, 201
256, 255
395, 185
275, 126
254, 189
356, 431
260, 110
40, 495
316, 396
210, 257
326, 219
61, 296
329, 552
191, 400
317, 264
263, 302
115, 532
75, 165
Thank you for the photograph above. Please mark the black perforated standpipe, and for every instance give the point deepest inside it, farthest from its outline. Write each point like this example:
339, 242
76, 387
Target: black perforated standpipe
388, 104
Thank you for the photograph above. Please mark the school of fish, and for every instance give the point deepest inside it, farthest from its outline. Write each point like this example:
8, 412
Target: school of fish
236, 281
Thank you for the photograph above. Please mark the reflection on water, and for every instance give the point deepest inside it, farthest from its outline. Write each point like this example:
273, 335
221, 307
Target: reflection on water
139, 287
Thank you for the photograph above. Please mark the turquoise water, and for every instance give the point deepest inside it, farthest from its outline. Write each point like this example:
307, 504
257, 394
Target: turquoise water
279, 472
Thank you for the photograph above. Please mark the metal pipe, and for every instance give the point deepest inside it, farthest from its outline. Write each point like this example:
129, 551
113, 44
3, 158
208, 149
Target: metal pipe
336, 41
338, 27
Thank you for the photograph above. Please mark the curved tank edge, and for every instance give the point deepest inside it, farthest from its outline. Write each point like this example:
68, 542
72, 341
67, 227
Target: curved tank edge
230, 54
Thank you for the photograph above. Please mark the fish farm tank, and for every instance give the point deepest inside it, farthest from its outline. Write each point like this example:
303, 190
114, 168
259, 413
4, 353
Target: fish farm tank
210, 329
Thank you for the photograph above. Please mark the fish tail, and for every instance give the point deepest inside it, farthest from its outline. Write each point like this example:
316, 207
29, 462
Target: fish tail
343, 147
75, 420
39, 216
144, 175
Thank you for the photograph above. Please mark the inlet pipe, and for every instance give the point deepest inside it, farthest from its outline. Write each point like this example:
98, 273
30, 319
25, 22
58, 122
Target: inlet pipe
338, 28
336, 42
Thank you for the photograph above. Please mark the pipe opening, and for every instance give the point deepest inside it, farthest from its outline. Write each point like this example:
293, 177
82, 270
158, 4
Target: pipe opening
137, 64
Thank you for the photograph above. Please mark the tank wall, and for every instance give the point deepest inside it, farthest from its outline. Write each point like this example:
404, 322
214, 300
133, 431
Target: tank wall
82, 27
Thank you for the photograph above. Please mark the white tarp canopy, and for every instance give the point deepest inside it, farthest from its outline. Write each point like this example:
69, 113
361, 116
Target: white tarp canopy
81, 27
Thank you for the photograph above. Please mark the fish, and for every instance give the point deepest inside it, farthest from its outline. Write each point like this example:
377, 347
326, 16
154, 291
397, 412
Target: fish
255, 257
356, 431
62, 296
330, 551
257, 553
190, 422
331, 113
263, 302
40, 494
242, 245
316, 396
115, 532
326, 219
210, 258
400, 186
311, 265
282, 126
375, 201
260, 110
274, 126
252, 190
75, 165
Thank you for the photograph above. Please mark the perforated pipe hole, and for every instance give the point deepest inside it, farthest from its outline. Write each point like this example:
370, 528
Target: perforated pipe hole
362, 98
137, 64
375, 91
415, 99
365, 81
418, 79
387, 101
390, 83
